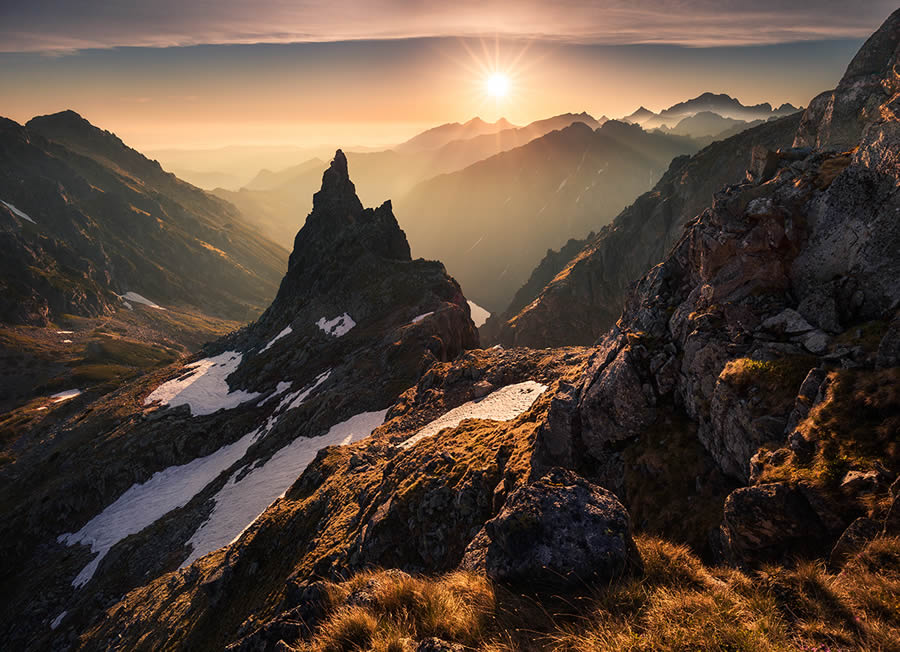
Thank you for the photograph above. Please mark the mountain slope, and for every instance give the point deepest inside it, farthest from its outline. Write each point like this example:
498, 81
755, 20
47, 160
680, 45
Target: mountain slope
443, 134
491, 222
585, 296
179, 462
744, 407
736, 406
106, 221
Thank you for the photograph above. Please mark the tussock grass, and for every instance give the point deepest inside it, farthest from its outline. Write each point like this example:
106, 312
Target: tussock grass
677, 604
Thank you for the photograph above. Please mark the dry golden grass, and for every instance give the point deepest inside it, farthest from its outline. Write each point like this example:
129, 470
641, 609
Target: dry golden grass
677, 604
854, 428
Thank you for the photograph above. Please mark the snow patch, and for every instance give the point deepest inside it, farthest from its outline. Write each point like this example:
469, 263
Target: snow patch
240, 502
137, 298
338, 326
144, 503
280, 389
287, 331
204, 389
294, 399
479, 314
17, 211
64, 332
59, 397
503, 404
416, 320
58, 620
67, 341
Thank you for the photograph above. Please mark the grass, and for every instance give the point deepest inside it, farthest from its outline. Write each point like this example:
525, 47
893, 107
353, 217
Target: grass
854, 427
783, 374
677, 604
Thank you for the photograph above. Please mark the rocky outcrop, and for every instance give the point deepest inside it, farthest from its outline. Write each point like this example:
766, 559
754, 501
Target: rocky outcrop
557, 530
737, 328
838, 118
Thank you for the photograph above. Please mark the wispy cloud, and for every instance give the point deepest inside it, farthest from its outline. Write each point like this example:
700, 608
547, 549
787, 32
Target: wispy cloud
66, 26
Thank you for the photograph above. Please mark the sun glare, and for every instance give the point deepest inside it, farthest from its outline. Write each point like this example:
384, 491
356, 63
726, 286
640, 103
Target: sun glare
497, 85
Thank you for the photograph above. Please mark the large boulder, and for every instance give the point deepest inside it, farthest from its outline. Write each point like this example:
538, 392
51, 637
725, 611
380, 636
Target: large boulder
765, 522
559, 530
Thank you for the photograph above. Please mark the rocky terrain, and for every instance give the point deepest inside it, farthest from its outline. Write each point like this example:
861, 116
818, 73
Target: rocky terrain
715, 468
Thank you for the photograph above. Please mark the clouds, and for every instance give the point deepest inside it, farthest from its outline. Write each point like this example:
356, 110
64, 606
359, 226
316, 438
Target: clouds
63, 25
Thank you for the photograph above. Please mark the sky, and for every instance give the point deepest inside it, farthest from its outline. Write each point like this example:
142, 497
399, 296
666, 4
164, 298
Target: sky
207, 73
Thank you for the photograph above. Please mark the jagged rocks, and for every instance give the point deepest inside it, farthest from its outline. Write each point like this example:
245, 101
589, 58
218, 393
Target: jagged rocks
560, 529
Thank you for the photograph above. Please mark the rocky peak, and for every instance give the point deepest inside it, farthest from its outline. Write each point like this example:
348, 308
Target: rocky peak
337, 199
355, 261
339, 225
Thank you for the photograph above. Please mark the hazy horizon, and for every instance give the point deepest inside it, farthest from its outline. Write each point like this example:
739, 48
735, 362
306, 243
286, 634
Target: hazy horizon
375, 75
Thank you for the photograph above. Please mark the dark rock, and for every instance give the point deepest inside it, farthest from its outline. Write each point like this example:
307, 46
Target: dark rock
763, 164
765, 522
558, 530
854, 539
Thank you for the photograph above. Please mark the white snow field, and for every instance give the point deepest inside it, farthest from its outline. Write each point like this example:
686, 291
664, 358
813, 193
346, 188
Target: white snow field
240, 502
59, 397
175, 486
144, 503
416, 320
503, 404
137, 298
338, 326
479, 314
17, 211
204, 389
287, 331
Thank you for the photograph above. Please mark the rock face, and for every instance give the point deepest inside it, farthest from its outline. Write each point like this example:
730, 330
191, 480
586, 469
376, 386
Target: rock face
103, 220
585, 298
761, 290
559, 529
838, 118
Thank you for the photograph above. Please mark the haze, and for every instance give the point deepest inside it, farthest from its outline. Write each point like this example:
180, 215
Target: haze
374, 74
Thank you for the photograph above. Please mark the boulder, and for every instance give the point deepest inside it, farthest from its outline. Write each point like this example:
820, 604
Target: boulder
854, 539
559, 530
765, 522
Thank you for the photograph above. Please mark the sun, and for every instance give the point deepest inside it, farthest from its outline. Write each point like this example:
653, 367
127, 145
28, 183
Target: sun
497, 85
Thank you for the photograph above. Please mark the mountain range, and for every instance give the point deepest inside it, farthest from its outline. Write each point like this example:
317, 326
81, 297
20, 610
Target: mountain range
721, 104
88, 218
685, 439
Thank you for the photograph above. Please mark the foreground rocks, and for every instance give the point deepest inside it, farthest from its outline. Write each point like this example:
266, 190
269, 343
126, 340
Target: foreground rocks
558, 530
